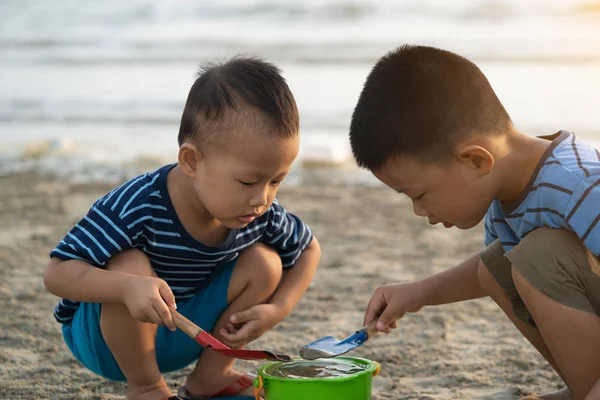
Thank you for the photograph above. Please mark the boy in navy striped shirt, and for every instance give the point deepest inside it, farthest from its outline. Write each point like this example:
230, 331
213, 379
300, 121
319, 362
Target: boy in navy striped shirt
205, 235
429, 125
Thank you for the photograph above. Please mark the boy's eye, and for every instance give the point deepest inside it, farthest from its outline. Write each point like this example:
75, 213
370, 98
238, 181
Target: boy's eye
246, 183
275, 183
420, 197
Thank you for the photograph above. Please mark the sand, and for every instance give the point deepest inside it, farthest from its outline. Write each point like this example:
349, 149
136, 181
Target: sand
369, 237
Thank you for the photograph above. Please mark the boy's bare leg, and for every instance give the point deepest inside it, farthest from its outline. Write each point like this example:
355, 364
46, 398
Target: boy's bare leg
576, 349
255, 277
495, 291
130, 341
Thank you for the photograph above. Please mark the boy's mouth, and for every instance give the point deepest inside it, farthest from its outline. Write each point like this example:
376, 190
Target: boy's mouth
446, 224
246, 219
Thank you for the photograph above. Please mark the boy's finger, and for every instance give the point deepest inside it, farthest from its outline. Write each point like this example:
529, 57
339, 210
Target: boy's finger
233, 339
386, 319
165, 315
243, 316
154, 317
167, 295
374, 307
241, 336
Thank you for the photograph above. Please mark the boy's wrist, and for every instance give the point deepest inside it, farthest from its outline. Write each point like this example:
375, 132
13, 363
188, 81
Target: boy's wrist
122, 287
427, 289
282, 308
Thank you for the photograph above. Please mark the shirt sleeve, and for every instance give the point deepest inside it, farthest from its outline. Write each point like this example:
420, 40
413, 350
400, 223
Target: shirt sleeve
490, 234
287, 234
98, 236
583, 213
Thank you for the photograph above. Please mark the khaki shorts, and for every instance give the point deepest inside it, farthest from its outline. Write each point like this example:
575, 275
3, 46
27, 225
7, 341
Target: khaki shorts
555, 262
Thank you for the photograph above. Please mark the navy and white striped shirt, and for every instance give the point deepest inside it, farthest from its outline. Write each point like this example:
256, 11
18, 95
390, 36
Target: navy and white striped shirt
139, 214
563, 192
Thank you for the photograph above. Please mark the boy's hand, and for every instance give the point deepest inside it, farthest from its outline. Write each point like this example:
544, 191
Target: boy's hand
147, 297
246, 326
390, 302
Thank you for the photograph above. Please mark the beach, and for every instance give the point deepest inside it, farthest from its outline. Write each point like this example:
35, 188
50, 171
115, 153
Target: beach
369, 237
92, 94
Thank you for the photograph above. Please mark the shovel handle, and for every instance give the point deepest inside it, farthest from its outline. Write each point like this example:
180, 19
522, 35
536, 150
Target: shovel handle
371, 329
185, 325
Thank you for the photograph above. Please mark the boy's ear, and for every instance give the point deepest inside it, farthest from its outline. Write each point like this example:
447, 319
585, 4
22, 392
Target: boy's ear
477, 158
188, 158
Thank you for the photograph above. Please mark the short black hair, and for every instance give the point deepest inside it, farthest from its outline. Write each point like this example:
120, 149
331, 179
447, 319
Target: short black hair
238, 83
421, 101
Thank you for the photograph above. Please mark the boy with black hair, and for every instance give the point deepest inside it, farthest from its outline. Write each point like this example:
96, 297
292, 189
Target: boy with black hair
429, 125
205, 235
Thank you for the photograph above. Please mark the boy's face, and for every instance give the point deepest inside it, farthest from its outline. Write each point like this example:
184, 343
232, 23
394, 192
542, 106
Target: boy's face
237, 178
454, 194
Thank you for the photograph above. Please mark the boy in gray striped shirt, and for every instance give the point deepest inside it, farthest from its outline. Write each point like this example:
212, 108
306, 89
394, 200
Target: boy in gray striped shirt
429, 125
205, 235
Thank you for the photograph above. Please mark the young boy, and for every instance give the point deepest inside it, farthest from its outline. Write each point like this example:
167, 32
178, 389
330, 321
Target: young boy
429, 125
205, 236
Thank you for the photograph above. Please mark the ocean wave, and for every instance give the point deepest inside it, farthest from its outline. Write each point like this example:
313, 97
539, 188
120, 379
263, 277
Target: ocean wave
166, 53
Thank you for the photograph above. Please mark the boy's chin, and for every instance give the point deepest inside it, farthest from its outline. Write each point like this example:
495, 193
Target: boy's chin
234, 223
466, 225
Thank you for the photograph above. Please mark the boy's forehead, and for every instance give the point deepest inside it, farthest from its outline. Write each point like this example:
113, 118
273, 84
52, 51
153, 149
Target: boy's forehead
404, 172
259, 151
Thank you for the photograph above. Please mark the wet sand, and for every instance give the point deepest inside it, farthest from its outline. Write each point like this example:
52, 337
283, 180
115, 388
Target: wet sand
369, 237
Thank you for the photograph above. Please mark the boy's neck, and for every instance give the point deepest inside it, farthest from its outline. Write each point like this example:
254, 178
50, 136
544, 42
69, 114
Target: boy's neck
517, 157
192, 214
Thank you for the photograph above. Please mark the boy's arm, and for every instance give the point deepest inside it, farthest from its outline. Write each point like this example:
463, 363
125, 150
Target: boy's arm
300, 254
77, 267
455, 284
258, 319
390, 302
80, 281
144, 296
295, 281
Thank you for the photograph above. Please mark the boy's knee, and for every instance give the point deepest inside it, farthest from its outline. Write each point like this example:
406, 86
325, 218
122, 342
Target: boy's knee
131, 261
262, 265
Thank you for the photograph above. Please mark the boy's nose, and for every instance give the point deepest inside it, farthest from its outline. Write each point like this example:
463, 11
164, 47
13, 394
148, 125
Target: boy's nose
260, 198
419, 210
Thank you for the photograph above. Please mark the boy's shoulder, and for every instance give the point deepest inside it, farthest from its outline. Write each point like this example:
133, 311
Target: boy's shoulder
144, 188
568, 165
575, 155
569, 161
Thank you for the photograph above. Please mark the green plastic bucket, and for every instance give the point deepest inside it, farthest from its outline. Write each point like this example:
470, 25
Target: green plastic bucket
348, 387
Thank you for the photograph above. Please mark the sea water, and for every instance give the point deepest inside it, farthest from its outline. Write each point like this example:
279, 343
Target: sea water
89, 88
323, 368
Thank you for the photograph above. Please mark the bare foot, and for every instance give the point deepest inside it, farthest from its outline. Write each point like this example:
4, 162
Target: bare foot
209, 387
594, 394
564, 394
156, 391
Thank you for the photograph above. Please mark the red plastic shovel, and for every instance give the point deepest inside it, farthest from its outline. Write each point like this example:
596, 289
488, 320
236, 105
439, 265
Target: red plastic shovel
208, 341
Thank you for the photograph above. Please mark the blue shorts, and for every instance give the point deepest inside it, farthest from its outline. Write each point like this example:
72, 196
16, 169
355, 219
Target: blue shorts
174, 350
